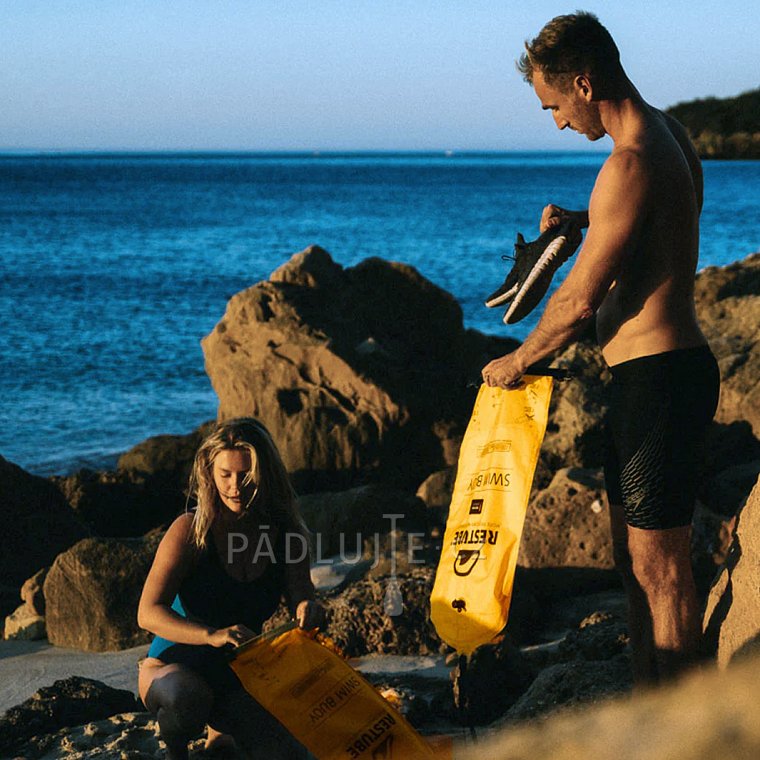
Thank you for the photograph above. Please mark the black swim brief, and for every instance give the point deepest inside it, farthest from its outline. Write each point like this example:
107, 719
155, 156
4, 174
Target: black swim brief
660, 409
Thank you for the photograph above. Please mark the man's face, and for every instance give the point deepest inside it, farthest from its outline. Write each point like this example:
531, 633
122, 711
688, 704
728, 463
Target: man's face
570, 109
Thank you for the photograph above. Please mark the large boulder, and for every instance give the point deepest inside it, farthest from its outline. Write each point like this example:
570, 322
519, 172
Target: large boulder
575, 431
121, 504
92, 592
352, 370
567, 524
69, 702
148, 489
342, 521
37, 524
732, 616
728, 306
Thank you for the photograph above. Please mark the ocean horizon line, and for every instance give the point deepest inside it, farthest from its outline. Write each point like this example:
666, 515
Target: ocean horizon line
279, 154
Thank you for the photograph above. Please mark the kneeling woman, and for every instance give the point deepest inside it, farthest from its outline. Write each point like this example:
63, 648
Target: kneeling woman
219, 573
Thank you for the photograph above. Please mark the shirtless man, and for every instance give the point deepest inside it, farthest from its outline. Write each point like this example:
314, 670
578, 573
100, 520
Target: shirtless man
635, 271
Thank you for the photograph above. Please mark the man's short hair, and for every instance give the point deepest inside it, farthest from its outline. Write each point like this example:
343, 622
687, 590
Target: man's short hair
568, 46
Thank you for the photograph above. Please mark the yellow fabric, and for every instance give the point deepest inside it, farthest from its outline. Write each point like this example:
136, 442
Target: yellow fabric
473, 583
329, 707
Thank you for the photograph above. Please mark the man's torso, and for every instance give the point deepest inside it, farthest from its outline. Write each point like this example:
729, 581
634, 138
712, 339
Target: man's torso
649, 309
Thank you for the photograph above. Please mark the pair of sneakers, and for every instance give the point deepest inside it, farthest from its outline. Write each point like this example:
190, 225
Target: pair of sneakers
534, 266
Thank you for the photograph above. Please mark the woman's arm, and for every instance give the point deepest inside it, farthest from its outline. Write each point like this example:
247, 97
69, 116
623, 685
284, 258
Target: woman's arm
172, 562
299, 592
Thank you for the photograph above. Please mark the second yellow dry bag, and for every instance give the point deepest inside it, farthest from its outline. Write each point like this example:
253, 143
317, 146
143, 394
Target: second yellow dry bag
473, 583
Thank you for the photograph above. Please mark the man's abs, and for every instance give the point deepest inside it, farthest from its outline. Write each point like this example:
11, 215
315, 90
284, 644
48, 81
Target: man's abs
631, 323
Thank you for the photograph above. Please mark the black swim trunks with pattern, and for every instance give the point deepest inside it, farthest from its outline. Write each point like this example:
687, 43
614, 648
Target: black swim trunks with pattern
660, 409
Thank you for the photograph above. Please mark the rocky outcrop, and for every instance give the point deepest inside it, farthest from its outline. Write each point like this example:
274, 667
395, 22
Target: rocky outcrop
728, 307
491, 681
352, 370
92, 591
37, 524
732, 617
385, 615
70, 702
723, 127
27, 622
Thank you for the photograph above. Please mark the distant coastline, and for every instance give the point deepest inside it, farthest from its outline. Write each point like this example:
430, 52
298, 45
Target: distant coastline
724, 128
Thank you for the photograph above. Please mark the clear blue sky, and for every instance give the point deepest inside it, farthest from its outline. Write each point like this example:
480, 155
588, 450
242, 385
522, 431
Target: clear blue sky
331, 75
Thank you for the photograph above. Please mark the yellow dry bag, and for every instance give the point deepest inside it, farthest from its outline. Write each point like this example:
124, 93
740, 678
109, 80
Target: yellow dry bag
329, 707
473, 583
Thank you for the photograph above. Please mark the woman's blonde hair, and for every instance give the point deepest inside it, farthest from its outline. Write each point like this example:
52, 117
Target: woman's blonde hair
273, 497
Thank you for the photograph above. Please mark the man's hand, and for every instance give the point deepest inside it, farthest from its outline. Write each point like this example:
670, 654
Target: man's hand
310, 614
553, 216
504, 372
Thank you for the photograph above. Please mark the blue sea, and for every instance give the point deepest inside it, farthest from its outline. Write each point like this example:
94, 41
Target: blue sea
113, 267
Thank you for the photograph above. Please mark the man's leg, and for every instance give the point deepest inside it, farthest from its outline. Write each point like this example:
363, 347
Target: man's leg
662, 567
639, 617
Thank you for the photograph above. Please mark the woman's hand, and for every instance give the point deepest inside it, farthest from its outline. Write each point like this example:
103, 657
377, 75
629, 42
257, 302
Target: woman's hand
310, 614
235, 635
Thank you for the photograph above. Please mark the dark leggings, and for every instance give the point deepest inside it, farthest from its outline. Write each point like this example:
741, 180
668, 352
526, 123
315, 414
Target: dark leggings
184, 703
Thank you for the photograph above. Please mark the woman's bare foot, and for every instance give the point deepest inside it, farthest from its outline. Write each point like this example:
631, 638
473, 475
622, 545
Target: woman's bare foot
216, 741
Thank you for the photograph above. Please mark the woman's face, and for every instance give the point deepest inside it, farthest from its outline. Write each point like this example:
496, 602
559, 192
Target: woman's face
230, 468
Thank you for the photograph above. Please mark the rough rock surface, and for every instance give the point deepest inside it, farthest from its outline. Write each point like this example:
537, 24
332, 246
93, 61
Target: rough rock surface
330, 515
575, 431
170, 456
707, 714
572, 683
567, 524
728, 307
732, 617
352, 370
37, 524
32, 592
70, 702
361, 621
92, 591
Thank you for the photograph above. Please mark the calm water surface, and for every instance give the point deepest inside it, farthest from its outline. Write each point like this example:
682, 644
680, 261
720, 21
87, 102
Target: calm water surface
113, 267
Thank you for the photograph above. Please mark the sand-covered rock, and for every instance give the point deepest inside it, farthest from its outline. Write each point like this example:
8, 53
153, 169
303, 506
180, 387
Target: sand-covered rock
92, 591
24, 624
732, 616
707, 715
728, 307
70, 702
353, 370
37, 524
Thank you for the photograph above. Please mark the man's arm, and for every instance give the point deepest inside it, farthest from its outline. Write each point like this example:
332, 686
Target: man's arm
617, 209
